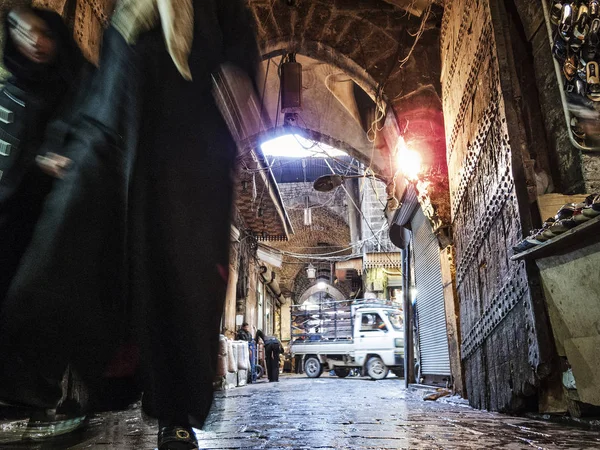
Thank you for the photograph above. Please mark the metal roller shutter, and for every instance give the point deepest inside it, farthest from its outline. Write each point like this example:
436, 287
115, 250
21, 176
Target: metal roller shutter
433, 339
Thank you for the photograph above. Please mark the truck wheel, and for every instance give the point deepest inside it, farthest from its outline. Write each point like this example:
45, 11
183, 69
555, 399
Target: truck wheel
376, 369
313, 368
342, 372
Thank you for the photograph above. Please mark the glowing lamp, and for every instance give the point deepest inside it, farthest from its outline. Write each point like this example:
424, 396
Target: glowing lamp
409, 161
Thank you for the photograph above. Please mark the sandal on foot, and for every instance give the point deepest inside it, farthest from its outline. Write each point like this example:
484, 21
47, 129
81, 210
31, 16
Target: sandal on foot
177, 438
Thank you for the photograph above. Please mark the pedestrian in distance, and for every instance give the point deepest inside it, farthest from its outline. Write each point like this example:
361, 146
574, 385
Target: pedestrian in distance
244, 333
273, 349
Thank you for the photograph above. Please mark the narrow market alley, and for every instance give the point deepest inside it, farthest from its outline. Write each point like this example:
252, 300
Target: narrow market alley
332, 413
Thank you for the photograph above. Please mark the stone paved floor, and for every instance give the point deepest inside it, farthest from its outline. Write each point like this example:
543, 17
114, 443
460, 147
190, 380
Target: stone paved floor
333, 413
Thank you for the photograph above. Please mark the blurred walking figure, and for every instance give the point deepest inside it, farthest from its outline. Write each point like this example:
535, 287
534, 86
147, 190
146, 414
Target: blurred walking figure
44, 63
273, 349
134, 240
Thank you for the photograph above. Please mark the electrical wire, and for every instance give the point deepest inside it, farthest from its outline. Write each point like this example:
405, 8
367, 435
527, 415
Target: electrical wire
327, 256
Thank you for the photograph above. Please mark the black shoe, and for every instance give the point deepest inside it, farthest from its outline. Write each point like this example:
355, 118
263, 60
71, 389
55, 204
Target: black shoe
560, 49
581, 28
593, 40
177, 438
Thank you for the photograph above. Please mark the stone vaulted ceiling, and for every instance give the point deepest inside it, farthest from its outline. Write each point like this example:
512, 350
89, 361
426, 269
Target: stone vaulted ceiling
366, 41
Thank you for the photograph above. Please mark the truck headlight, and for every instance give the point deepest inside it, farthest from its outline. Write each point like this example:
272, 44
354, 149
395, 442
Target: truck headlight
399, 342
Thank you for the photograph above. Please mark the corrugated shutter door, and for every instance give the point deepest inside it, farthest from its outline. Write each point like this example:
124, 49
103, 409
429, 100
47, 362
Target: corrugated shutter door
433, 338
407, 207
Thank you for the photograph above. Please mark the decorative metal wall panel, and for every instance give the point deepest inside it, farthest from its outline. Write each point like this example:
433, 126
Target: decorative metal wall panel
471, 160
462, 32
505, 300
495, 297
470, 86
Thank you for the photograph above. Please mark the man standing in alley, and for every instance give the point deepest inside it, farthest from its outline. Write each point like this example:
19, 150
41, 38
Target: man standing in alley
273, 349
244, 334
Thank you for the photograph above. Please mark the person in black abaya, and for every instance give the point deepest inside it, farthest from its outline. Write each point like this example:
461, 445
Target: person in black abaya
134, 240
44, 64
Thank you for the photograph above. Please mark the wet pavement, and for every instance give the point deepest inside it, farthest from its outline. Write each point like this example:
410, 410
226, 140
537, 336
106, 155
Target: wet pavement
334, 413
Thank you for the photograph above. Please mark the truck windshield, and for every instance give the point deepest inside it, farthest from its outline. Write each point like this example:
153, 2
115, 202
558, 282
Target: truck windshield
396, 320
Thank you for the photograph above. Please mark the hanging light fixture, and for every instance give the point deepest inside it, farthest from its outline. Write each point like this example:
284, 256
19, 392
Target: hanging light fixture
311, 272
291, 84
307, 213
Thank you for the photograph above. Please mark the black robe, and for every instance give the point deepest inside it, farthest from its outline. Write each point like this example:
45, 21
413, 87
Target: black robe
134, 240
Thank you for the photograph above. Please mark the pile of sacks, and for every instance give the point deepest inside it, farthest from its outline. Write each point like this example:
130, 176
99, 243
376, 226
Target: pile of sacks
568, 217
233, 363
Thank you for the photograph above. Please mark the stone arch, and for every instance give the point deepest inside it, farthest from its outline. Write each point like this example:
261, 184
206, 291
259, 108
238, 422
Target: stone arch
331, 290
359, 148
374, 34
322, 52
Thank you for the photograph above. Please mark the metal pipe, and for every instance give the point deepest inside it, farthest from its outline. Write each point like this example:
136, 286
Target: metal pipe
409, 368
563, 96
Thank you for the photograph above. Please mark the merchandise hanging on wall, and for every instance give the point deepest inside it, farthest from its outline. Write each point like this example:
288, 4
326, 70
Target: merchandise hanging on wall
575, 35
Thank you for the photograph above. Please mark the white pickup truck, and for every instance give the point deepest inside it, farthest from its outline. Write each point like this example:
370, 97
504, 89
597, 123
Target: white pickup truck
340, 335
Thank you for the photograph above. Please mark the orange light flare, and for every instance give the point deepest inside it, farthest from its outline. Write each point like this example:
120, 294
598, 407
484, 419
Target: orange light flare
409, 161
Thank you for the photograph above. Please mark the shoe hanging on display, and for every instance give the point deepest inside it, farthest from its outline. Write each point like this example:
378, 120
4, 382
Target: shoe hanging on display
576, 48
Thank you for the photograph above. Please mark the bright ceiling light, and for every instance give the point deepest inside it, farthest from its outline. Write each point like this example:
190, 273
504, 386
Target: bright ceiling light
409, 161
321, 285
296, 146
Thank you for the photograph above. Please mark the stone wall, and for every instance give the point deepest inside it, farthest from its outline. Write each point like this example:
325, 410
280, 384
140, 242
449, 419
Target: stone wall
294, 198
329, 233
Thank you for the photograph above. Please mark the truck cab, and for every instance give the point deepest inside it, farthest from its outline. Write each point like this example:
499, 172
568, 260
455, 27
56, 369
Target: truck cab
379, 332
